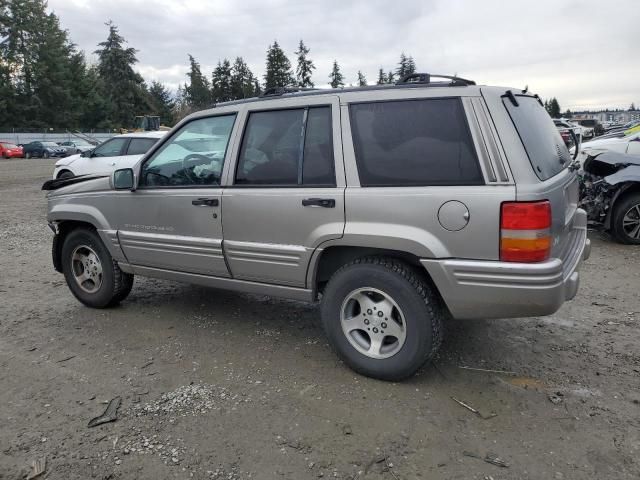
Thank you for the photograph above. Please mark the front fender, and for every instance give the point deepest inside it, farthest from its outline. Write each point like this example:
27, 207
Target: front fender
67, 211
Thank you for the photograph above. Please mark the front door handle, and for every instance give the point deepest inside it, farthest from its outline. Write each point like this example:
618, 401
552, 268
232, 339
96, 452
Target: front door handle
206, 202
319, 202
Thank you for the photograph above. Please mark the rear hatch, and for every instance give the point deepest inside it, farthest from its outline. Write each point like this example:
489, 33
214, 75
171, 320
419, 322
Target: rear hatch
549, 159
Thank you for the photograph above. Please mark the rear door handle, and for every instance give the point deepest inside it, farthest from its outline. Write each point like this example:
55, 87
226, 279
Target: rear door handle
319, 202
206, 202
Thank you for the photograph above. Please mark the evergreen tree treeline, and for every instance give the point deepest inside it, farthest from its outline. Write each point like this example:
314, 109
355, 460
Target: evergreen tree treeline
45, 82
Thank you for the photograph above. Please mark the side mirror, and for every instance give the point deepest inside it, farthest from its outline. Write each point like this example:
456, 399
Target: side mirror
86, 154
124, 179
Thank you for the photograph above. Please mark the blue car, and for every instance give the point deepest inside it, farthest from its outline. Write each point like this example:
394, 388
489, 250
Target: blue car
43, 150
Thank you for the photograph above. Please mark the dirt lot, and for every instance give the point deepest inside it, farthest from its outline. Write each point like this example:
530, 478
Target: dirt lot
231, 386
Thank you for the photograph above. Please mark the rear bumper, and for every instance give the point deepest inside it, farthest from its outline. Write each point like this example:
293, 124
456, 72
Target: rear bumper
488, 289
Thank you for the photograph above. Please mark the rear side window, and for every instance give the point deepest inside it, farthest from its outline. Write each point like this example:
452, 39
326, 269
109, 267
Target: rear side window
414, 143
139, 146
547, 151
287, 147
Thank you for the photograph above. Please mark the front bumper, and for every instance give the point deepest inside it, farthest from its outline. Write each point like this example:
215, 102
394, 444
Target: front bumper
475, 289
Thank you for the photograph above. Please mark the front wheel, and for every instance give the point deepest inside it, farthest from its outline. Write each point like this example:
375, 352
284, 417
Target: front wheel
382, 318
45, 154
27, 155
625, 223
65, 175
92, 275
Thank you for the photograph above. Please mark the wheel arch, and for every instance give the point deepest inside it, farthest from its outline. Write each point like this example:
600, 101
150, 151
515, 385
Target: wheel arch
326, 261
625, 190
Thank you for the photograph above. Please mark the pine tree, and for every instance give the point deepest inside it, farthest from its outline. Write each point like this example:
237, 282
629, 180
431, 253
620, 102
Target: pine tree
632, 107
390, 77
554, 108
278, 68
337, 79
243, 83
411, 66
382, 77
305, 67
362, 80
124, 89
221, 82
401, 71
161, 102
197, 93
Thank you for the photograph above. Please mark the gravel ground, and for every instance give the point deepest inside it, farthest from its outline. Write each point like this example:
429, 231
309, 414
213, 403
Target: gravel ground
230, 386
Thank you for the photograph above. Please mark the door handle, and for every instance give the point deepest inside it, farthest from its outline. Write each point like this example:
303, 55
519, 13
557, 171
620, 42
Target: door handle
205, 202
319, 202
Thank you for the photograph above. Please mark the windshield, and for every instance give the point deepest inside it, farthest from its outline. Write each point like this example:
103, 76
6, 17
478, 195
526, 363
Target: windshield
547, 151
9, 145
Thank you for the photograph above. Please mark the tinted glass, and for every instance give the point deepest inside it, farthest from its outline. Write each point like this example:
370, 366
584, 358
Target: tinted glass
193, 156
547, 151
110, 148
139, 146
318, 164
271, 146
413, 142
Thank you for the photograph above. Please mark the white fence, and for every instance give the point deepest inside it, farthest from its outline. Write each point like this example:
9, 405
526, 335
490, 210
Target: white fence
24, 138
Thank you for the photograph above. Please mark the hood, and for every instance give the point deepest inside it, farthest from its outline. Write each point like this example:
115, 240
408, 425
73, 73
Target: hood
614, 167
67, 160
602, 143
81, 184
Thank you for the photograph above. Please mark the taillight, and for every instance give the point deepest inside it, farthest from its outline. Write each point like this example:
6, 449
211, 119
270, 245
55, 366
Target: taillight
525, 231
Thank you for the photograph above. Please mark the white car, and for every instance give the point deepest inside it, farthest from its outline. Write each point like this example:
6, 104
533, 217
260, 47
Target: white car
122, 151
629, 144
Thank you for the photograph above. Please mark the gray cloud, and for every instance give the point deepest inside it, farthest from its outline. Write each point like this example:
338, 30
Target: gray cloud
583, 51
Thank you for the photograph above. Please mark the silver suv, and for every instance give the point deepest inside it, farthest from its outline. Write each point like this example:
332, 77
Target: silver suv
395, 206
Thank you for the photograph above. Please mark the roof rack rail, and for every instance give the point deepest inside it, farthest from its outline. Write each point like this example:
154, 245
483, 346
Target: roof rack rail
277, 91
426, 78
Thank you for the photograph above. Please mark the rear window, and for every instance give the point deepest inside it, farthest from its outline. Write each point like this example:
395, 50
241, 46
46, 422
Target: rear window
414, 143
547, 151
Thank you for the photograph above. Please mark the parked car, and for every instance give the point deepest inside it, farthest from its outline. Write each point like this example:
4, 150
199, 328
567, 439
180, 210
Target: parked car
117, 152
565, 128
76, 146
592, 124
10, 150
610, 194
627, 143
397, 206
43, 150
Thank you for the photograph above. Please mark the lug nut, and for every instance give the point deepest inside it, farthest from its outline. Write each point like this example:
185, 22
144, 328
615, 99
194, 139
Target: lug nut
383, 325
369, 312
380, 314
366, 321
375, 330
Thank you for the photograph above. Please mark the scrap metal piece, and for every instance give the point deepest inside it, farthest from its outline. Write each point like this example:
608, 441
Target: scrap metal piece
109, 415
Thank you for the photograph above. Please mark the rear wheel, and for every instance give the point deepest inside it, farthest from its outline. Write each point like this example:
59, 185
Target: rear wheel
92, 275
625, 224
45, 154
27, 155
382, 318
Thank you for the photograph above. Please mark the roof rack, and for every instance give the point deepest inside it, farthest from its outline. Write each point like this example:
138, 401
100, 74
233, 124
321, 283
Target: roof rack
426, 78
277, 91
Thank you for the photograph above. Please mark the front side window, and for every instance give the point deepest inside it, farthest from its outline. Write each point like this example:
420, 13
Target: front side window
140, 146
110, 148
413, 143
287, 147
193, 156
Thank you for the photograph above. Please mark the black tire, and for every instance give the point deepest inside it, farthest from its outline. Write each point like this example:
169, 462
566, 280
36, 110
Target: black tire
421, 308
626, 205
45, 154
115, 285
65, 174
5, 155
27, 155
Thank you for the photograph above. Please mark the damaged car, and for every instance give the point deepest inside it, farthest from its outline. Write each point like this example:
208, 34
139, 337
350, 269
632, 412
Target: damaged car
610, 193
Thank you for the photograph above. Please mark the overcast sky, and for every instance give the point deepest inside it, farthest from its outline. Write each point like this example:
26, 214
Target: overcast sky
584, 52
